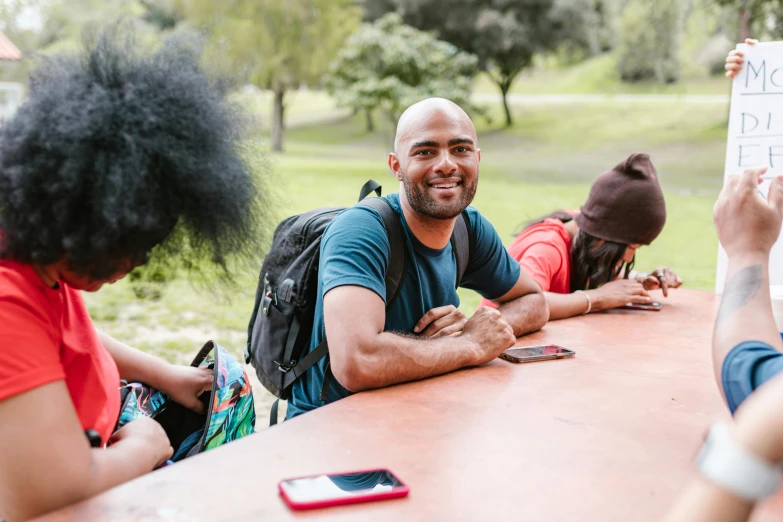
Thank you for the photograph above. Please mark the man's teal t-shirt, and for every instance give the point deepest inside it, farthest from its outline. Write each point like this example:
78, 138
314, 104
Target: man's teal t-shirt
355, 251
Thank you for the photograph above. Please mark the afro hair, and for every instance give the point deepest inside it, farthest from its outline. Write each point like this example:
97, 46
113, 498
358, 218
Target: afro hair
117, 151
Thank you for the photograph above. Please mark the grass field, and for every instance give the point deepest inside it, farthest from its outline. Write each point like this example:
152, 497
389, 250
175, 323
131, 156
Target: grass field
545, 162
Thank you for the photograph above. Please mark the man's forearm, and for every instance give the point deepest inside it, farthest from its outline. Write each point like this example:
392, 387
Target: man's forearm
745, 311
391, 358
526, 314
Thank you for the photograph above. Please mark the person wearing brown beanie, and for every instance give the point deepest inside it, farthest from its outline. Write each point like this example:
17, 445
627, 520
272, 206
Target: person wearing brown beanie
583, 260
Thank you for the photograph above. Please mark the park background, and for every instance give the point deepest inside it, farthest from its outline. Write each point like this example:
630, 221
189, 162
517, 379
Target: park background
560, 91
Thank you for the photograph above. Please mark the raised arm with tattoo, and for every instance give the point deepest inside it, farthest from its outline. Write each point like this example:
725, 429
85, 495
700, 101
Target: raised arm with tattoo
748, 226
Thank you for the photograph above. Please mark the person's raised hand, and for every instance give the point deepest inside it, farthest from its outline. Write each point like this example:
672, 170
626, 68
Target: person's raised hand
746, 222
735, 59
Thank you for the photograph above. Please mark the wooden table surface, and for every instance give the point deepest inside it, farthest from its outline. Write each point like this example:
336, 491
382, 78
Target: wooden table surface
609, 435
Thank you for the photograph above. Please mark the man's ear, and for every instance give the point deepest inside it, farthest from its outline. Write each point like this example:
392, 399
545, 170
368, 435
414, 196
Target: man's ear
478, 155
394, 166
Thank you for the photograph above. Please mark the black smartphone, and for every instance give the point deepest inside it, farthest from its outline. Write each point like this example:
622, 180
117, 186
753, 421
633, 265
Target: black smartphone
542, 352
655, 306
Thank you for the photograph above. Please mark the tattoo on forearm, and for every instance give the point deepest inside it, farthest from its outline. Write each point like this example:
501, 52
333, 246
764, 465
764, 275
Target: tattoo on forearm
741, 288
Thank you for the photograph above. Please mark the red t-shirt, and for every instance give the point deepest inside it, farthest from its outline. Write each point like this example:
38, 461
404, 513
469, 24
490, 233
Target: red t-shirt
47, 335
544, 252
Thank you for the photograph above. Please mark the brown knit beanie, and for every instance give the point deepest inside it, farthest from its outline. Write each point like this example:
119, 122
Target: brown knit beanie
626, 204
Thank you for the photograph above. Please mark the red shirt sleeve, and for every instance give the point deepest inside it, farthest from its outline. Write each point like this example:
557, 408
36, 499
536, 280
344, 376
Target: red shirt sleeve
29, 345
542, 261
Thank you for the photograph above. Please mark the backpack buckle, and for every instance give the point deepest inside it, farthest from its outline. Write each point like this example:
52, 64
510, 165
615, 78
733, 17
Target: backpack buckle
285, 368
270, 296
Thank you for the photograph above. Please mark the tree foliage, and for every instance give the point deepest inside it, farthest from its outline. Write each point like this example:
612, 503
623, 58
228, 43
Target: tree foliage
387, 65
649, 48
276, 45
505, 35
756, 18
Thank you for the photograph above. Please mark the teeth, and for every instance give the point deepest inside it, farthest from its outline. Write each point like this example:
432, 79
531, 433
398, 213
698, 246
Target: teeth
450, 185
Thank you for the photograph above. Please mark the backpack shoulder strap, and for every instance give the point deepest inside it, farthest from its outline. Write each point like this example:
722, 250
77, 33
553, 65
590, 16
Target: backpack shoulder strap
463, 243
394, 273
396, 268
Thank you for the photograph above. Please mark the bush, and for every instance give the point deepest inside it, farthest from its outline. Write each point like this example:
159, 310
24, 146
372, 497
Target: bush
149, 281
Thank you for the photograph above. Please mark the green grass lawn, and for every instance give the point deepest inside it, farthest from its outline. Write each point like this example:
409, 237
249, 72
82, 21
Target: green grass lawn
545, 162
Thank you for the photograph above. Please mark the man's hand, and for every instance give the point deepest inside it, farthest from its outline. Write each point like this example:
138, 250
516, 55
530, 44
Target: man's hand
745, 221
440, 322
735, 59
185, 384
663, 278
490, 333
620, 292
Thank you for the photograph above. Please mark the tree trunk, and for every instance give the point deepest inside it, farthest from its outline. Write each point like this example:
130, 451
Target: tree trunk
368, 120
277, 120
744, 22
504, 88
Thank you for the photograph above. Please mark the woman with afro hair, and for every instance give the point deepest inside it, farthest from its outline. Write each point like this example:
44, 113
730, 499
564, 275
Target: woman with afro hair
114, 153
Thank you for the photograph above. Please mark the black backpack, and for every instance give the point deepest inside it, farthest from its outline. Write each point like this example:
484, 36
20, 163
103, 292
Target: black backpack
281, 324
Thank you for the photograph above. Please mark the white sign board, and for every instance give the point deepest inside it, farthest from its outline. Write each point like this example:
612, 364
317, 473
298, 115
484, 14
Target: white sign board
756, 131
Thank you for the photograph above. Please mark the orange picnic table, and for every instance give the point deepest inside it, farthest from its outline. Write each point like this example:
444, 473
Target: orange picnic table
609, 435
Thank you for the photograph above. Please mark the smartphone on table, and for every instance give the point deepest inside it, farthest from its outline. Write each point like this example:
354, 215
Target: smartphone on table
655, 306
542, 352
326, 490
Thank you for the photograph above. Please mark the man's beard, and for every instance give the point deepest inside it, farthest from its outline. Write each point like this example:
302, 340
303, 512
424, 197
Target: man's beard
421, 202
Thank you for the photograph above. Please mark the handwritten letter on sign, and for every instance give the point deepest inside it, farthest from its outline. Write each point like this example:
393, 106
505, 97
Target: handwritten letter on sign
756, 131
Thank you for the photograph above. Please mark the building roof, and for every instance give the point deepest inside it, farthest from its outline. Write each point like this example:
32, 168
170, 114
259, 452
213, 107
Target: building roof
8, 51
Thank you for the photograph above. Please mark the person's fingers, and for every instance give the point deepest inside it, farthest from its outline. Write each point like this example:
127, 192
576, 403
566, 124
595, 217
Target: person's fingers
751, 41
641, 299
639, 290
432, 315
735, 59
651, 283
731, 184
749, 180
196, 406
439, 324
775, 196
449, 330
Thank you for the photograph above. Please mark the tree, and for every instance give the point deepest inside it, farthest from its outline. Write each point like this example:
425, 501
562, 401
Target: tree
276, 45
755, 16
505, 35
649, 48
388, 66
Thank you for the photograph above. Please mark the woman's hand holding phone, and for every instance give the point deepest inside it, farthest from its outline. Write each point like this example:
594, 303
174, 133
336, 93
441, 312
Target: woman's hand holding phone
616, 294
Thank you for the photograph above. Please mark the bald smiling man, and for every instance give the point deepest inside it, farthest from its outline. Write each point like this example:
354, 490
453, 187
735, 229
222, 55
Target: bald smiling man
422, 333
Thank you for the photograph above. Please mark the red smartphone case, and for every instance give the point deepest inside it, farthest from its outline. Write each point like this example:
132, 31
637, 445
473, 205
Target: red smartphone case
398, 492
